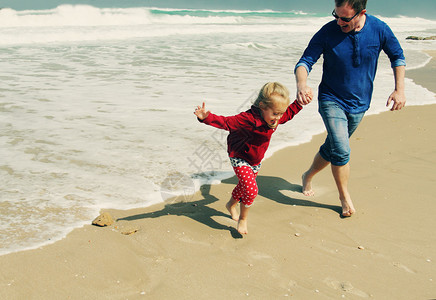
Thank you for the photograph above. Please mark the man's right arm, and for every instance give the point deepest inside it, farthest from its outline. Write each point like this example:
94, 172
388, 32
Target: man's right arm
304, 92
305, 64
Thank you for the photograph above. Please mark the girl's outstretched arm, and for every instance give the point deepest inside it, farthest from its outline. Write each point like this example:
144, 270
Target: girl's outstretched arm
227, 123
201, 112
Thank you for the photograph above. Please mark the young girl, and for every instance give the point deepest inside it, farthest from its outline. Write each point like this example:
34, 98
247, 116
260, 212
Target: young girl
248, 140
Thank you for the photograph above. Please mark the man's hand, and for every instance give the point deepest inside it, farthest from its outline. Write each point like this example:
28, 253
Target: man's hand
304, 95
398, 99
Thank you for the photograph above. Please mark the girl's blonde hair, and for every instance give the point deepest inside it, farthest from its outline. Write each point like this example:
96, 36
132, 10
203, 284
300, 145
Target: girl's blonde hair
268, 93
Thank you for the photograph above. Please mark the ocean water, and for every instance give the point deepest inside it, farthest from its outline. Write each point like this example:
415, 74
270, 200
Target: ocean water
96, 104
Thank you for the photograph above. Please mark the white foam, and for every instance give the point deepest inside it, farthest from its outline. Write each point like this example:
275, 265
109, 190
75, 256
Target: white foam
73, 23
409, 24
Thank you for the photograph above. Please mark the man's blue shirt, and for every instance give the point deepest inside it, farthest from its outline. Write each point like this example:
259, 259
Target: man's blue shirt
350, 61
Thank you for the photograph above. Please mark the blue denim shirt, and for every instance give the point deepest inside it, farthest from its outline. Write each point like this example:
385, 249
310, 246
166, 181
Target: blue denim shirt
350, 61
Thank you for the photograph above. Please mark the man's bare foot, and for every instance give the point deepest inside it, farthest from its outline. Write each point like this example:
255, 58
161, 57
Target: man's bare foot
307, 186
231, 207
347, 207
242, 226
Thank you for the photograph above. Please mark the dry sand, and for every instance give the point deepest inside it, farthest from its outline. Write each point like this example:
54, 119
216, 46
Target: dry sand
297, 247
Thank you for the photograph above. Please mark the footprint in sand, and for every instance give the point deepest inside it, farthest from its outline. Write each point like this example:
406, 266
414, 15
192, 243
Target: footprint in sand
405, 268
259, 256
345, 286
186, 239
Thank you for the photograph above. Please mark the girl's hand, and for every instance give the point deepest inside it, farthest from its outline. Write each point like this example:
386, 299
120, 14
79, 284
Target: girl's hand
201, 112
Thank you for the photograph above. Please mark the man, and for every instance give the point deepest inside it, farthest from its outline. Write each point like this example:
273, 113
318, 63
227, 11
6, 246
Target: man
350, 46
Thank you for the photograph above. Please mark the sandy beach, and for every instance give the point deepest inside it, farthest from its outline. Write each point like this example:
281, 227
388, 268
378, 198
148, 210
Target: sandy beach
297, 247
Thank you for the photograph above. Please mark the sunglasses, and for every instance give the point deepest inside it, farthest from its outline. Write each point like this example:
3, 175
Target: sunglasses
343, 18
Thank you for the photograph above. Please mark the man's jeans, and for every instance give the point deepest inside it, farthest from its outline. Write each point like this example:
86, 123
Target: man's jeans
340, 126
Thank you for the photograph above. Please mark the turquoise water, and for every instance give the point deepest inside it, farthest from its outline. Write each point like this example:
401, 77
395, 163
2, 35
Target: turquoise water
386, 8
231, 13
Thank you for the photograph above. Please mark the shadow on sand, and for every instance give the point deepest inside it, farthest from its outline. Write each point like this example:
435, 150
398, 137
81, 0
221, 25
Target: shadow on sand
269, 187
196, 210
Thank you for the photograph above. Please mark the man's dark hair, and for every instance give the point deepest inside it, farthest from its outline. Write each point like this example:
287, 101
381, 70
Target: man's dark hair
357, 5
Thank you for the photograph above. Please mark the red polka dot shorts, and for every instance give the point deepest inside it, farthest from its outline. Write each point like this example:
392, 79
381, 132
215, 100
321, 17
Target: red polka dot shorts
246, 190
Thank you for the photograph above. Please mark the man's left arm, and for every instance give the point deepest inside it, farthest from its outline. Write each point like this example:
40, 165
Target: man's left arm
392, 48
398, 97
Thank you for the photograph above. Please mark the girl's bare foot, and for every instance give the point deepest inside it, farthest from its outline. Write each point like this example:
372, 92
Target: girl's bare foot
231, 207
347, 207
242, 226
307, 186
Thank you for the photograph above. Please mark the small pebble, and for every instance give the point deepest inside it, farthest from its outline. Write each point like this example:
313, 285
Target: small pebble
361, 248
297, 234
